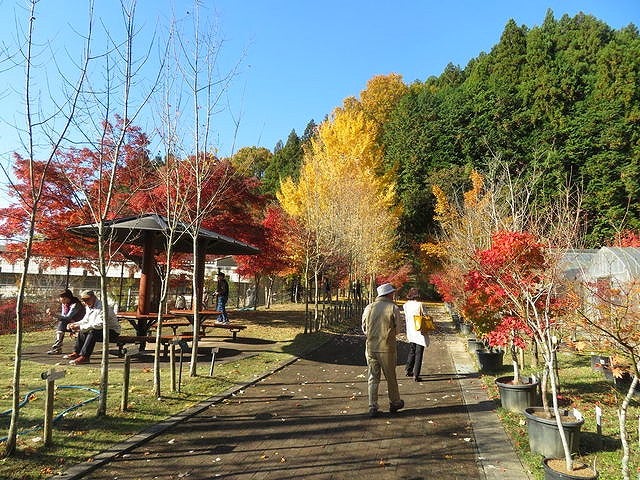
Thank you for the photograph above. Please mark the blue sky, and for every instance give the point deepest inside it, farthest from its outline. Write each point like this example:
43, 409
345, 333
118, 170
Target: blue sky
299, 60
304, 58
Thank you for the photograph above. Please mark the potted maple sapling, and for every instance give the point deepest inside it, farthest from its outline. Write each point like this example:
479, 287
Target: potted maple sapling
519, 276
449, 285
487, 308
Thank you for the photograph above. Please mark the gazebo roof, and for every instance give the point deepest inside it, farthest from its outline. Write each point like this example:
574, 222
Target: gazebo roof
134, 230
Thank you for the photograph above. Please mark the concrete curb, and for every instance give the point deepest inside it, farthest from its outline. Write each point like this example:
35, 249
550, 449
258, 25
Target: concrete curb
496, 454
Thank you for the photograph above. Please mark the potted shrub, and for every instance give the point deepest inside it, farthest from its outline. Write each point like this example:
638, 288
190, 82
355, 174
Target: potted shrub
490, 359
465, 327
486, 307
517, 274
516, 392
518, 279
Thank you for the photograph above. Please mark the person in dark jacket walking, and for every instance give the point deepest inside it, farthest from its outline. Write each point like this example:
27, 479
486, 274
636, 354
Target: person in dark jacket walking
222, 293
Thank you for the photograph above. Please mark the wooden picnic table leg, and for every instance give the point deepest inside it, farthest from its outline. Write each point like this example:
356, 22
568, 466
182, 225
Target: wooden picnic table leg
142, 327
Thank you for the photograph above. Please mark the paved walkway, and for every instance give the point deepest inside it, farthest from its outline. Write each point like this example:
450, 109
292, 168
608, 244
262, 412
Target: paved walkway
308, 420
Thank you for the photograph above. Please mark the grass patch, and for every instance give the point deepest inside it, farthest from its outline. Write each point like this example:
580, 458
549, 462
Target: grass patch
79, 435
582, 388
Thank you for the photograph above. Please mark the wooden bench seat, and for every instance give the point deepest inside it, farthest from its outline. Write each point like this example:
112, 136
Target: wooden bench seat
165, 341
234, 328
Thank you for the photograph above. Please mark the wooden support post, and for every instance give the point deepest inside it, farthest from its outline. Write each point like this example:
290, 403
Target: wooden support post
180, 372
214, 350
128, 353
172, 366
50, 377
183, 346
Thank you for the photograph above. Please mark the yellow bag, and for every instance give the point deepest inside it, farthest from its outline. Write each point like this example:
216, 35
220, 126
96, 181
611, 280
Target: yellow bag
423, 323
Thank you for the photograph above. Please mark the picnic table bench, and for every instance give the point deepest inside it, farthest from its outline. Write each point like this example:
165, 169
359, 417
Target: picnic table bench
165, 341
176, 323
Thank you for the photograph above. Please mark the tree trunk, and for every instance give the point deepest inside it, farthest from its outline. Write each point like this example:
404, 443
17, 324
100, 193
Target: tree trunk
622, 419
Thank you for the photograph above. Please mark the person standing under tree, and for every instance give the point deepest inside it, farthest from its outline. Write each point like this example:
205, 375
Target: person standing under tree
417, 339
222, 293
379, 323
72, 310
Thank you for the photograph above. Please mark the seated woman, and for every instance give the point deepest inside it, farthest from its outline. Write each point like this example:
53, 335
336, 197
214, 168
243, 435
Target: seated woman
72, 310
89, 329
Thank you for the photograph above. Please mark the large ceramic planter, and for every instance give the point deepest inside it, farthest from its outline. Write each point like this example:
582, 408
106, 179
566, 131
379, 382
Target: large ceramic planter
517, 396
582, 472
474, 344
490, 361
544, 436
465, 328
599, 361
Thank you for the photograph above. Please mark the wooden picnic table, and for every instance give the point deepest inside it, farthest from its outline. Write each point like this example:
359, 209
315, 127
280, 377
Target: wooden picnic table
142, 322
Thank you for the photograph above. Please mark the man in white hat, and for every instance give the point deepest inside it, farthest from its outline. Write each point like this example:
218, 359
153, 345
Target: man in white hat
379, 323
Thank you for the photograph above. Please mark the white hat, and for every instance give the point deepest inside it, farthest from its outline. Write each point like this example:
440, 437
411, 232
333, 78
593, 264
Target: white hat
385, 289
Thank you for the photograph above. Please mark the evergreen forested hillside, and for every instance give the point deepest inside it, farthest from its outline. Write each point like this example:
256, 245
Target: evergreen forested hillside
562, 98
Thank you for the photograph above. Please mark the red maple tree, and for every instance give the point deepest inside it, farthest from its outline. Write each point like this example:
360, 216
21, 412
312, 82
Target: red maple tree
510, 298
70, 179
278, 246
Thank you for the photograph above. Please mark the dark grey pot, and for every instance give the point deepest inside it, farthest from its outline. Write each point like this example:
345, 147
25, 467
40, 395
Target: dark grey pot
474, 344
465, 328
551, 474
517, 397
544, 436
490, 361
598, 361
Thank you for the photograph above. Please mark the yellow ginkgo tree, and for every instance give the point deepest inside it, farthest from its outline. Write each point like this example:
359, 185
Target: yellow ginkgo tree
465, 227
344, 202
